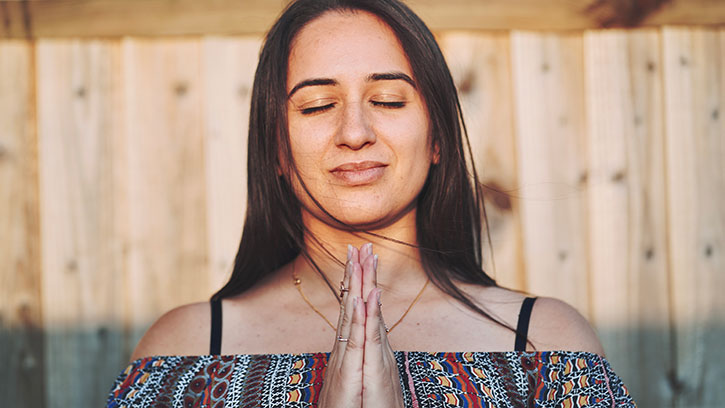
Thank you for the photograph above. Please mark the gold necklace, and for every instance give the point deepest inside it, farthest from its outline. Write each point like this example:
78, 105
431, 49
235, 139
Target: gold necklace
298, 283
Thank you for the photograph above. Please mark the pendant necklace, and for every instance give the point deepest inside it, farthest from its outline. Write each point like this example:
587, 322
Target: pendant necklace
298, 283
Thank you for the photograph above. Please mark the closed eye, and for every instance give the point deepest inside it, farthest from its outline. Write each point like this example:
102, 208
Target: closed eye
389, 104
316, 109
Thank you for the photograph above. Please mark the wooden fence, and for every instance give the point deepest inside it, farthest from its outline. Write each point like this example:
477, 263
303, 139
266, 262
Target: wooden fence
122, 193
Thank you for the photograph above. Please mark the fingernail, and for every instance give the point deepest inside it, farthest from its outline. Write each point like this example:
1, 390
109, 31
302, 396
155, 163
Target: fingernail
369, 248
349, 252
375, 262
354, 304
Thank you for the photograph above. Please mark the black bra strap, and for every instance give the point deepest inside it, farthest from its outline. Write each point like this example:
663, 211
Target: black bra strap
215, 345
522, 328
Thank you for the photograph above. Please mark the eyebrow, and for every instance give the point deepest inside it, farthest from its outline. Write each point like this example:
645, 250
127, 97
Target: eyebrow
385, 76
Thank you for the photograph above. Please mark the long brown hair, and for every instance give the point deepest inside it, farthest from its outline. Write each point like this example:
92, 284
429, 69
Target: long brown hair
450, 207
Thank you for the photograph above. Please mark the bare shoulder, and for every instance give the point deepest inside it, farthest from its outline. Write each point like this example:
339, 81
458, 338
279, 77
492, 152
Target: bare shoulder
556, 325
183, 330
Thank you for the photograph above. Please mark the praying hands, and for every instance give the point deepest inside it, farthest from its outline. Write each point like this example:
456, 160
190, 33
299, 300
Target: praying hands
362, 370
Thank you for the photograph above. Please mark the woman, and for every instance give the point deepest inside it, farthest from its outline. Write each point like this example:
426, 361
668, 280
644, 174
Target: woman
357, 173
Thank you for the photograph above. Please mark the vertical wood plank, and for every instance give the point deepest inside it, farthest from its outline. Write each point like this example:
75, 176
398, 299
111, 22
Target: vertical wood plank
481, 68
551, 146
140, 144
165, 177
82, 280
228, 74
21, 339
695, 134
627, 213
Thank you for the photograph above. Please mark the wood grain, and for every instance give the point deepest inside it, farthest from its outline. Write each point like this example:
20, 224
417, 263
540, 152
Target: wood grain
695, 135
481, 68
165, 177
228, 73
551, 150
21, 339
83, 288
129, 200
627, 211
117, 18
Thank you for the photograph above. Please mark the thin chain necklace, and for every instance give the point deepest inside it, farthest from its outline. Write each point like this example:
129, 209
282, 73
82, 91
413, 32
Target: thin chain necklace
298, 284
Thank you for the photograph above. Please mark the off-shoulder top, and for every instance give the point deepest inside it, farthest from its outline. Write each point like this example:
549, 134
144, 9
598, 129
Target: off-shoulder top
428, 379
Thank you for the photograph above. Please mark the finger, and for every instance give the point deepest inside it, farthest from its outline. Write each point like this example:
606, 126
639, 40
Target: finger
352, 360
366, 251
373, 334
375, 337
345, 282
355, 254
355, 285
346, 308
379, 363
369, 275
374, 363
363, 254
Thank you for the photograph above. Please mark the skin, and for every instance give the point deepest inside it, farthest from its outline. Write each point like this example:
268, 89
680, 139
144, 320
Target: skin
361, 371
364, 106
355, 125
355, 120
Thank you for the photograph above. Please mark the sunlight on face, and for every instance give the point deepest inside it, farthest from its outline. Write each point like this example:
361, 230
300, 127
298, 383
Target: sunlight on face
358, 125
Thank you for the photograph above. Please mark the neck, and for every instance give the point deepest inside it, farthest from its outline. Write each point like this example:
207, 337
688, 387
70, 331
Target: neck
399, 267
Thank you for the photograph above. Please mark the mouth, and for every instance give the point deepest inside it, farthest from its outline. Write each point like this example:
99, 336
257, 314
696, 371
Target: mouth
359, 173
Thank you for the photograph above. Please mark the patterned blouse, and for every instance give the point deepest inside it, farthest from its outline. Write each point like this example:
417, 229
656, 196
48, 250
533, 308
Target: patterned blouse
501, 379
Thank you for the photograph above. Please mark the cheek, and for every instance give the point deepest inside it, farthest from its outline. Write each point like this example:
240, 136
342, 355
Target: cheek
307, 144
408, 138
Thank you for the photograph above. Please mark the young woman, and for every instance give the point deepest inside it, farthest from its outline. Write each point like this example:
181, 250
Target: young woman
357, 174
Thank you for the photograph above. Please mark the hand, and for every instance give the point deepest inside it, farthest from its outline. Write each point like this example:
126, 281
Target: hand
361, 372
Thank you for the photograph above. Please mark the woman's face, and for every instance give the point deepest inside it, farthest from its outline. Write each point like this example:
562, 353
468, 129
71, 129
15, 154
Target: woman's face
358, 127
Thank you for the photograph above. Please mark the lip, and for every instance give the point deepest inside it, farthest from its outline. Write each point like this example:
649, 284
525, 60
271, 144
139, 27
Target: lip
359, 173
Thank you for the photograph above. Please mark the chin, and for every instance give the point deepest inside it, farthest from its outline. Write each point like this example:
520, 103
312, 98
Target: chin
360, 217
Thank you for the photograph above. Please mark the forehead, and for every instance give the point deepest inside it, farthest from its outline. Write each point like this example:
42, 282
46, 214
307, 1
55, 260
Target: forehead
345, 44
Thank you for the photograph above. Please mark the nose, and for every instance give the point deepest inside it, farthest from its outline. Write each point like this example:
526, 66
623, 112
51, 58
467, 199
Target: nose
355, 131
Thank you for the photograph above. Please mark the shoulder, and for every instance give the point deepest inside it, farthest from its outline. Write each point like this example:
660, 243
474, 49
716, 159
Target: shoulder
556, 325
183, 330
